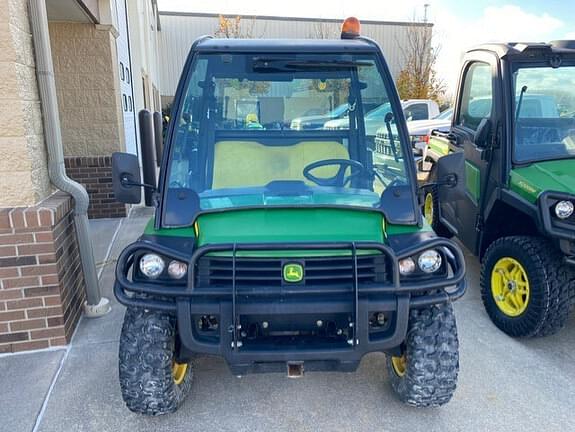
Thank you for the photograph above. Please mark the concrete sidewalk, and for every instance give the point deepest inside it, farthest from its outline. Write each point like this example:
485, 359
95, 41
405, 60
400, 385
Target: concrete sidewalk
505, 384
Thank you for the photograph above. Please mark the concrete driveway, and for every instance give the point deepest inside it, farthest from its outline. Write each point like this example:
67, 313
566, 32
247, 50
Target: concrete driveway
504, 384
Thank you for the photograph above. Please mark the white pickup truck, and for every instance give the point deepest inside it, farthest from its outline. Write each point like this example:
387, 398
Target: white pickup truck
413, 109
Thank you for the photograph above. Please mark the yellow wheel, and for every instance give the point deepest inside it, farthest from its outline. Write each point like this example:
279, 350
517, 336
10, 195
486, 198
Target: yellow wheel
510, 286
428, 208
399, 365
179, 372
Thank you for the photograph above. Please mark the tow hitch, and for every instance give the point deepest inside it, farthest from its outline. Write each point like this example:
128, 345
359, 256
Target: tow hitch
294, 369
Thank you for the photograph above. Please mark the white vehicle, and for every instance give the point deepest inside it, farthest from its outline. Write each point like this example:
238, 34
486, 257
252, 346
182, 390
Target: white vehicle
419, 130
413, 109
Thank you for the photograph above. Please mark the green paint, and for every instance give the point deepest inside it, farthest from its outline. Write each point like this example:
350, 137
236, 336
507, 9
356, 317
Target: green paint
289, 225
472, 180
531, 180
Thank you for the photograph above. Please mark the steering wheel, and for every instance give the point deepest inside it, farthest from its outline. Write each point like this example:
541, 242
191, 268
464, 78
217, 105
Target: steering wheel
339, 179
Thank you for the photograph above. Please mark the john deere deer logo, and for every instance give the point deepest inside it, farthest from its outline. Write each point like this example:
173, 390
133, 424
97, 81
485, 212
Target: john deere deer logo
293, 272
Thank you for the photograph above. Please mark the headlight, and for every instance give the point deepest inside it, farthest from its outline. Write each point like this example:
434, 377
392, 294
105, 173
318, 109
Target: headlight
429, 261
177, 269
564, 209
152, 266
406, 266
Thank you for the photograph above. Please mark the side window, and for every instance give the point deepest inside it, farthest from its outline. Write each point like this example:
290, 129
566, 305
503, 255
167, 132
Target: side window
477, 96
417, 111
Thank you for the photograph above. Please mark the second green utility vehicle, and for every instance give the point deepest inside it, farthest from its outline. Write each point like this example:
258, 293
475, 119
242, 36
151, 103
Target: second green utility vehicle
513, 142
283, 249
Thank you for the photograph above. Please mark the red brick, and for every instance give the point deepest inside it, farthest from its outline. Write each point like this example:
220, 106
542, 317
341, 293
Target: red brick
35, 248
41, 291
12, 239
13, 337
55, 321
43, 237
28, 281
44, 312
5, 218
54, 300
27, 346
7, 251
24, 303
28, 324
10, 294
8, 272
17, 217
47, 258
39, 270
12, 315
46, 217
50, 280
3, 328
7, 348
47, 333
17, 261
59, 341
31, 216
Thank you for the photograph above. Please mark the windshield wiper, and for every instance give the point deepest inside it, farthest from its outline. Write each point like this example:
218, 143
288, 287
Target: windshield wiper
518, 110
282, 65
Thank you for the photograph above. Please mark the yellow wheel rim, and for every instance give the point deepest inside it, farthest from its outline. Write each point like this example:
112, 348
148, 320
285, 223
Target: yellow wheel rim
399, 365
510, 286
428, 208
179, 372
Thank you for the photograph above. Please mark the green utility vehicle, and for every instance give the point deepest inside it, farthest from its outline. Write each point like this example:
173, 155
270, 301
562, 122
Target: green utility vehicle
281, 249
512, 146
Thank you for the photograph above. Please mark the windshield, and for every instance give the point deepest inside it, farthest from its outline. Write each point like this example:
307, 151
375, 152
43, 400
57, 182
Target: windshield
251, 131
445, 115
544, 113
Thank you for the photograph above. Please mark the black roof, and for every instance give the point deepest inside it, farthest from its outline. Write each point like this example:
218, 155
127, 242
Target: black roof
286, 45
523, 48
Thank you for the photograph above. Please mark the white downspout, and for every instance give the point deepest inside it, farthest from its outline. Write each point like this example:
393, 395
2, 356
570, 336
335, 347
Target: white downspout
95, 304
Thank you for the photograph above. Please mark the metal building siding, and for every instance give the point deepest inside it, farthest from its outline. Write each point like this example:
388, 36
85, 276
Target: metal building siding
180, 30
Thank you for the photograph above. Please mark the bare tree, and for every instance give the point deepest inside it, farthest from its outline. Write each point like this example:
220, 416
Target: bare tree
324, 30
418, 79
235, 27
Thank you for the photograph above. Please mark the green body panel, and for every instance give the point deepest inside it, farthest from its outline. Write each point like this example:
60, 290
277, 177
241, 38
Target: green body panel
539, 177
277, 225
472, 180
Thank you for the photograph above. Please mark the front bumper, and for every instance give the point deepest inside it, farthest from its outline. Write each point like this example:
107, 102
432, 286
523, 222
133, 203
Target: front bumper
238, 307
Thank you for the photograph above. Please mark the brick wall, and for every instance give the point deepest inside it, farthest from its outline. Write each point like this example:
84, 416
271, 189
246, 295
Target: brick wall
41, 280
95, 173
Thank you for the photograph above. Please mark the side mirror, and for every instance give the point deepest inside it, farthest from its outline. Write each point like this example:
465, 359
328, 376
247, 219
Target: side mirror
451, 173
126, 178
482, 133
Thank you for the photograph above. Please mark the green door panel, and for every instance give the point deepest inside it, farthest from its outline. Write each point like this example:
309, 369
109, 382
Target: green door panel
472, 180
531, 180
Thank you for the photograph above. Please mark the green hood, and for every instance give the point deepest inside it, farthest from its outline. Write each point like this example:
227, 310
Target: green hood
531, 181
270, 225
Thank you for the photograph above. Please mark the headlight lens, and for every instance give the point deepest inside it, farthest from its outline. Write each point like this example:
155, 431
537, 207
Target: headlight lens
429, 261
177, 269
152, 265
564, 209
406, 266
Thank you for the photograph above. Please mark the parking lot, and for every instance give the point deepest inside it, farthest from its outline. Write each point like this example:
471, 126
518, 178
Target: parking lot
504, 384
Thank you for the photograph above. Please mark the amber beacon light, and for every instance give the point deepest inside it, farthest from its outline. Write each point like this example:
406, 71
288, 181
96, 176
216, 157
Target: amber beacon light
350, 28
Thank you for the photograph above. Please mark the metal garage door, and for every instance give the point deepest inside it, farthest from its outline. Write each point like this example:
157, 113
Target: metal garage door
123, 48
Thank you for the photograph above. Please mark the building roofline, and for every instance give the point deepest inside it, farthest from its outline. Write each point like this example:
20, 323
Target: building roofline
287, 18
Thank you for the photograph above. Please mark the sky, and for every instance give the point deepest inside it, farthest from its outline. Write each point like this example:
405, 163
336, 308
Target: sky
458, 24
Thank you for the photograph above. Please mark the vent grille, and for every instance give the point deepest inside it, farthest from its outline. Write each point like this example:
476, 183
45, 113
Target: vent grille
217, 271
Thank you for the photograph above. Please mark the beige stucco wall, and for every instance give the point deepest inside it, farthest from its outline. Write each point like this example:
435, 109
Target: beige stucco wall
87, 83
23, 163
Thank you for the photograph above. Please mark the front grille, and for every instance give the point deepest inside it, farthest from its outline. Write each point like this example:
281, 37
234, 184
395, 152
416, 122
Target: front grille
383, 145
216, 271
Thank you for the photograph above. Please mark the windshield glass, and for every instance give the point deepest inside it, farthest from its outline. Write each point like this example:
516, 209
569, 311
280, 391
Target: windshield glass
254, 130
544, 113
445, 115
